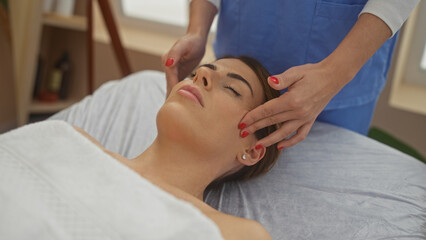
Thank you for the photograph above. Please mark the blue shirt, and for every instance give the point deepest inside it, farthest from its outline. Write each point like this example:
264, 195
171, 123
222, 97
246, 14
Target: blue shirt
286, 33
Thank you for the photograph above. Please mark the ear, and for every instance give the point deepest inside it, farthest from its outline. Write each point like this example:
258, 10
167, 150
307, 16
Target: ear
251, 155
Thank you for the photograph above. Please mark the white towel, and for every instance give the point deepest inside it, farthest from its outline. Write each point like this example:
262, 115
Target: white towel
56, 184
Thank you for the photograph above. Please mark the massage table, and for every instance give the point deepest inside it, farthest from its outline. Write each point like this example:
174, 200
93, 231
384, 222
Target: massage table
336, 184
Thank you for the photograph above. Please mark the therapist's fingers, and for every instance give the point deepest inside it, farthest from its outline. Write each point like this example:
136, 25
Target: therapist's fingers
170, 65
172, 79
285, 79
268, 121
284, 131
264, 111
301, 134
182, 58
173, 56
170, 60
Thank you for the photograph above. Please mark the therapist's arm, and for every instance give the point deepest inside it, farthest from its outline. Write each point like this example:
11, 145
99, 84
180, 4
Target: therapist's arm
366, 37
188, 51
392, 12
202, 13
312, 86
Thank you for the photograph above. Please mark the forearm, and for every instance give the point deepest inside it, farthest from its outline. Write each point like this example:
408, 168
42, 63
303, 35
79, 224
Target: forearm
201, 17
365, 38
392, 12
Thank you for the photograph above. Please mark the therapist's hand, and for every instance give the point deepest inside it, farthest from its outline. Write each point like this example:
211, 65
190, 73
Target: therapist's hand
310, 88
182, 58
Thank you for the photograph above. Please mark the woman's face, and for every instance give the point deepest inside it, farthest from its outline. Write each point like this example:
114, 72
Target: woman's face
205, 111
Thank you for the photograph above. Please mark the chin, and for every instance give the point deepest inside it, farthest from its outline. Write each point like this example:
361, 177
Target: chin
182, 121
176, 121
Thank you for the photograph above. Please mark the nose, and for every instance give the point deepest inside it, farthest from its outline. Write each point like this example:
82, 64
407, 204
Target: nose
203, 78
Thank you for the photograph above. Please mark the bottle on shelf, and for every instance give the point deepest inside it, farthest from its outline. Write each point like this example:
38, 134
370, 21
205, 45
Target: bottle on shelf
57, 84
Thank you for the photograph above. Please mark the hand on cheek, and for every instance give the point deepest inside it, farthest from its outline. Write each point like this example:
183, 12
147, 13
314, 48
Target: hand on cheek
309, 87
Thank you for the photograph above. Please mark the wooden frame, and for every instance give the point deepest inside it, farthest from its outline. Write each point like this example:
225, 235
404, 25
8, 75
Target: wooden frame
111, 25
25, 19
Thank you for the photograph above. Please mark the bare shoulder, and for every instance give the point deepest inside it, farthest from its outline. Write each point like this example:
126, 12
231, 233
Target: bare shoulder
239, 228
112, 154
84, 133
257, 230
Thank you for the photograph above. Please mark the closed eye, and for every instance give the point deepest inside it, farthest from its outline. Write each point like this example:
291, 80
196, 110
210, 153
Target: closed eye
233, 90
236, 93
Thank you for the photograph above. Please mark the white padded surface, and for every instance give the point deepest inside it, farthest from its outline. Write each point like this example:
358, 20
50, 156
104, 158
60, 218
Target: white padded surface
336, 184
56, 184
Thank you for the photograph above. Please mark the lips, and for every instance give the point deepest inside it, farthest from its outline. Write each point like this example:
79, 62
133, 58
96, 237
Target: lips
192, 92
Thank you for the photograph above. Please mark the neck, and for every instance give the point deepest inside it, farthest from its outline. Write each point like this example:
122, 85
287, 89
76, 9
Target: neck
176, 165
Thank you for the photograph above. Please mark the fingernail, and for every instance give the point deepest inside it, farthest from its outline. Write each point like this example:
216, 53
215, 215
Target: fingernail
280, 148
242, 125
244, 134
259, 146
169, 62
274, 80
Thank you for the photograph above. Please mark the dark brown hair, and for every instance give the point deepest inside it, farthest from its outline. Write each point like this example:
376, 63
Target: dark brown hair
272, 153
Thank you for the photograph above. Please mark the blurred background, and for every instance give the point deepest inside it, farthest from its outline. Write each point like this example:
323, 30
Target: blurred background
55, 52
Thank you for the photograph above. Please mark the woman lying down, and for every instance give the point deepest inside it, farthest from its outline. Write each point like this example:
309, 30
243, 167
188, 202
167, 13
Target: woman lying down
58, 183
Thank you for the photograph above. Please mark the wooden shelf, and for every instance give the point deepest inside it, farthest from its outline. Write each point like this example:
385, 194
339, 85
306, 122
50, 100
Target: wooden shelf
39, 107
47, 36
78, 23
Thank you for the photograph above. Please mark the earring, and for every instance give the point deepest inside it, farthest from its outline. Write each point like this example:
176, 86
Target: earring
243, 157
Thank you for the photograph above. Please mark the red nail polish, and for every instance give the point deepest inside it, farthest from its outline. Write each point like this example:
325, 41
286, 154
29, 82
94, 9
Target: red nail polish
169, 62
244, 134
280, 148
242, 125
274, 80
259, 146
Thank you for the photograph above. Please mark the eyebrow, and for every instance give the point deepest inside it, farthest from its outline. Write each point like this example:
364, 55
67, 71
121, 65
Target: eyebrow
231, 75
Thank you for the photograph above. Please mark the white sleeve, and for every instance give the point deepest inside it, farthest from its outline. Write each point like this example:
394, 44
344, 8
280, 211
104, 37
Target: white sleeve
392, 12
216, 3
